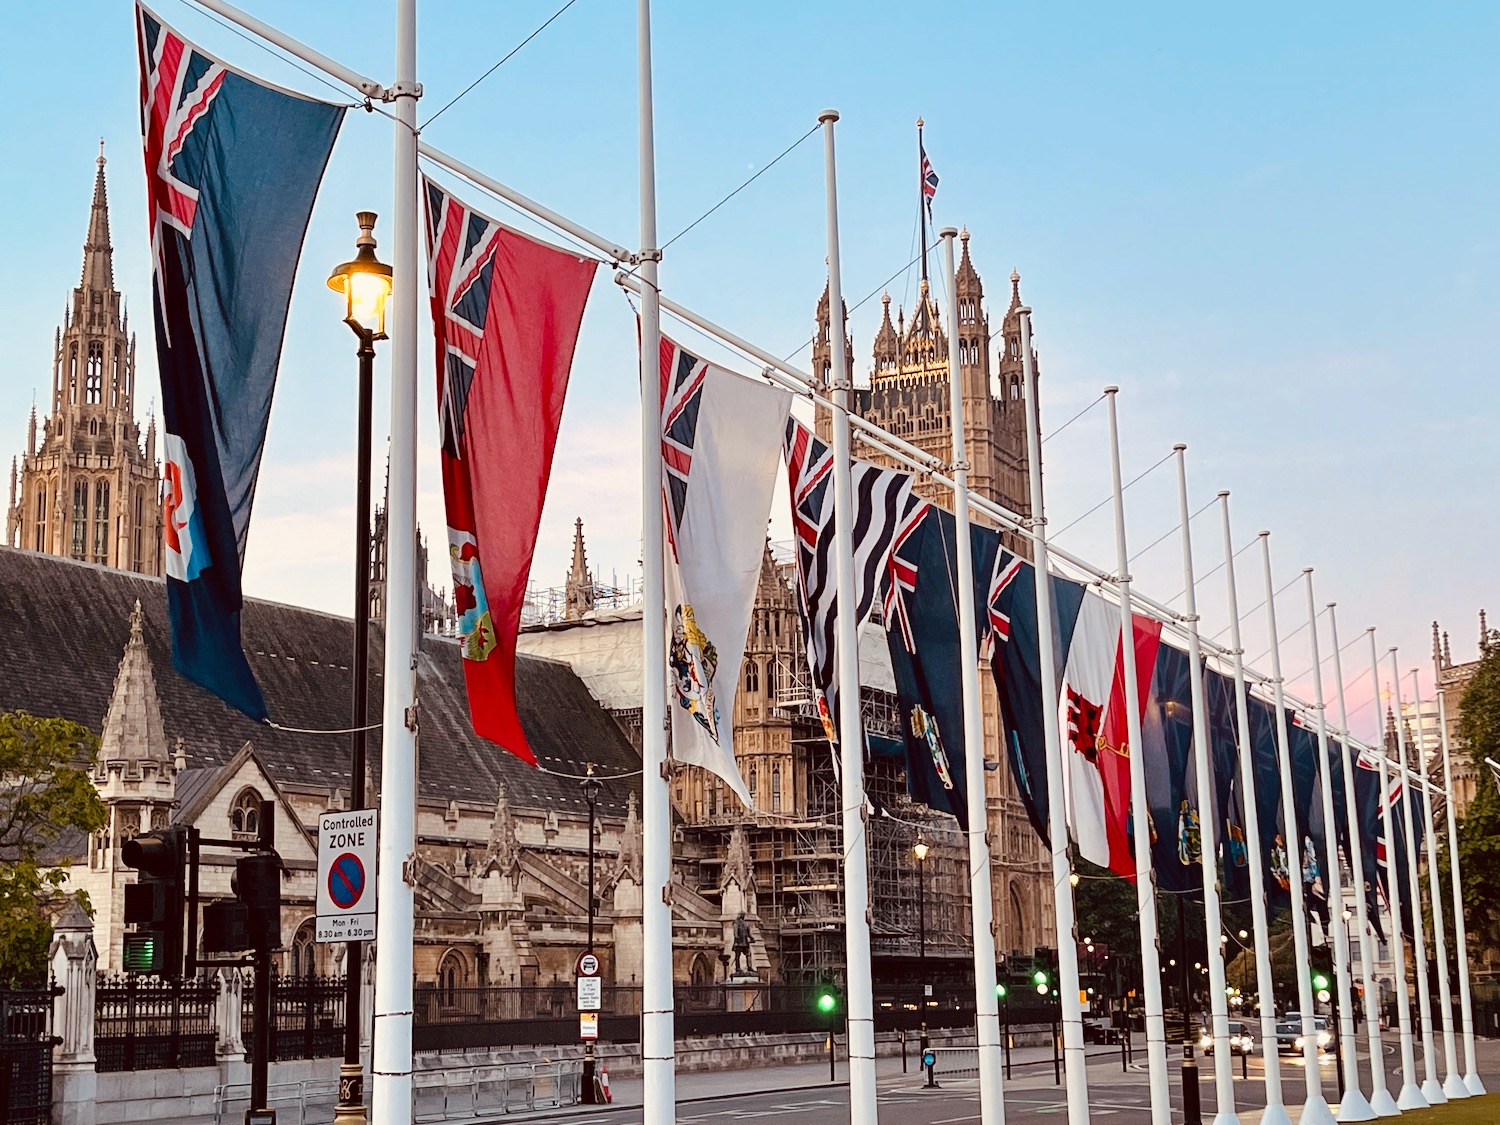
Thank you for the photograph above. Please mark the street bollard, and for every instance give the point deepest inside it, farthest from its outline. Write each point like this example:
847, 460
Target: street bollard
901, 1034
1192, 1113
1056, 1059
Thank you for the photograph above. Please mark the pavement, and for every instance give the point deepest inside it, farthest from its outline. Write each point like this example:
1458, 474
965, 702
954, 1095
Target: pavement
1118, 1095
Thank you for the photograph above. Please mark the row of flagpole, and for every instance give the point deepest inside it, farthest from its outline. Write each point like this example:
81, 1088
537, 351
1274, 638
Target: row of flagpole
392, 1064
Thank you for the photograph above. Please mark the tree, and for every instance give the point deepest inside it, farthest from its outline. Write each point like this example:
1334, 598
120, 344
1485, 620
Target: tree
44, 792
1479, 831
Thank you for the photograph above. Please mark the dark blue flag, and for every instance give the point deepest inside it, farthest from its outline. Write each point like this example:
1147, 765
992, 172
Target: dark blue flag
1171, 777
1367, 817
1396, 867
1016, 665
1224, 739
921, 621
1276, 855
232, 168
1307, 797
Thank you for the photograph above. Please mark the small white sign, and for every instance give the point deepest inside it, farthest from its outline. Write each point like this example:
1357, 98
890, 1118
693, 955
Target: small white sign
588, 1025
590, 994
346, 876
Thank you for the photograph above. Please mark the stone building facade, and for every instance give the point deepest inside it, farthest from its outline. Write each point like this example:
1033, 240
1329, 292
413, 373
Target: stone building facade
1452, 679
87, 484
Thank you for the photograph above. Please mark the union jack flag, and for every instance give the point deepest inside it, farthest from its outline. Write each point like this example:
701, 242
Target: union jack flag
682, 376
1007, 566
902, 576
929, 181
178, 84
460, 270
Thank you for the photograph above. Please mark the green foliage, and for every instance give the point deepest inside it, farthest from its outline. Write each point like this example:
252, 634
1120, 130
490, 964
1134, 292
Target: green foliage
1479, 831
44, 792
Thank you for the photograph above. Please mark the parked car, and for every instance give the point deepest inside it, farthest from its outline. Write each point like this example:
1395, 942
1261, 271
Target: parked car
1241, 1042
1289, 1033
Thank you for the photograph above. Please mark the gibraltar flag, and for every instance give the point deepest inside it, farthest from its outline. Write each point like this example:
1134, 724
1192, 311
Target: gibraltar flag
721, 448
1095, 742
506, 310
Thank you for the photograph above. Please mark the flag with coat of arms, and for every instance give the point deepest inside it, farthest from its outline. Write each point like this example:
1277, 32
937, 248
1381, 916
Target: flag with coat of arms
232, 169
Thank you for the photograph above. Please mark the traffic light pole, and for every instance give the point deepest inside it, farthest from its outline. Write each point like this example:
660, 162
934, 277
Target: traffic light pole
260, 1111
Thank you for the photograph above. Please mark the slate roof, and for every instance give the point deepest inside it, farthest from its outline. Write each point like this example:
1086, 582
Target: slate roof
63, 628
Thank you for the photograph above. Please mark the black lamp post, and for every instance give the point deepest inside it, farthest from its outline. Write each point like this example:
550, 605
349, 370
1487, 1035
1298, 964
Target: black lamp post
365, 283
591, 787
919, 849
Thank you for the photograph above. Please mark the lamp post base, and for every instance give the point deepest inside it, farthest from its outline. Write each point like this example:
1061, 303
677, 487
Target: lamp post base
351, 1107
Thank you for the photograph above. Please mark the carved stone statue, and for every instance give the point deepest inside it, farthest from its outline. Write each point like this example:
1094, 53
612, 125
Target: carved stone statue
742, 962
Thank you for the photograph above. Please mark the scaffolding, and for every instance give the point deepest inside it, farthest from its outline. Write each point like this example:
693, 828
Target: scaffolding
546, 605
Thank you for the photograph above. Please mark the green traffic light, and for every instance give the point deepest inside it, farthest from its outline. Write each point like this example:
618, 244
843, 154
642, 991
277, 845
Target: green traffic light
826, 1001
1000, 990
1320, 982
1039, 977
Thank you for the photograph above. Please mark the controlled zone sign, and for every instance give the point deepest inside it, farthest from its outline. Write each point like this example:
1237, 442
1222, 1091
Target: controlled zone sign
346, 876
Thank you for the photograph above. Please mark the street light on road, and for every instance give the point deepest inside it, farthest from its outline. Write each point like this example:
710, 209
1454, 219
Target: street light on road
365, 283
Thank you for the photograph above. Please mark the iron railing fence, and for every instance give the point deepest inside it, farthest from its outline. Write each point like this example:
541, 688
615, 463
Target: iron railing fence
307, 1017
26, 1043
143, 1023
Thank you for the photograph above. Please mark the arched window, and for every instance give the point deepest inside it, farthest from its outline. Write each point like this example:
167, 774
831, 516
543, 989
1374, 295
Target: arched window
73, 373
101, 522
140, 519
1017, 920
41, 518
304, 952
773, 678
244, 815
80, 519
701, 974
775, 788
94, 387
452, 976
754, 784
752, 675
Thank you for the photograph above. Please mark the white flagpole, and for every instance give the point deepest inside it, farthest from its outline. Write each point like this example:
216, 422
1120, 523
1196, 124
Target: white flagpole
986, 1003
658, 1040
1213, 925
1353, 1106
391, 1053
1471, 1076
1380, 1097
859, 993
1140, 808
1410, 1096
1315, 1109
1432, 1090
1453, 1083
1275, 1112
1062, 863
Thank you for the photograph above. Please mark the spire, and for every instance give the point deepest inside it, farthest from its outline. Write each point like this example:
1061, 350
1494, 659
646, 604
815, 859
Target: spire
1437, 646
887, 342
132, 725
1447, 654
578, 593
98, 254
1484, 633
966, 280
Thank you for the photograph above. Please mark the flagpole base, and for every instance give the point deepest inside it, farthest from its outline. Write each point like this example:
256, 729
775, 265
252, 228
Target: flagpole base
1454, 1087
1226, 1117
1434, 1093
1411, 1097
1354, 1107
1475, 1087
1276, 1115
1383, 1104
1315, 1111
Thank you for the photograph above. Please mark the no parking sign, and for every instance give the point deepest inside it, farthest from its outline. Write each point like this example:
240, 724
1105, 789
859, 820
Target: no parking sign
346, 876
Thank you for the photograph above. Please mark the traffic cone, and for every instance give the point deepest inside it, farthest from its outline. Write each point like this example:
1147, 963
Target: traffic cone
604, 1084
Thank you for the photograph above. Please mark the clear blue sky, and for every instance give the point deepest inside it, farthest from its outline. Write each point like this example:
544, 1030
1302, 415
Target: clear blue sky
1275, 228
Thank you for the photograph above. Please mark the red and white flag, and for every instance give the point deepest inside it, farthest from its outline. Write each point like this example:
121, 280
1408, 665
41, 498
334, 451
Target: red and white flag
506, 310
1095, 737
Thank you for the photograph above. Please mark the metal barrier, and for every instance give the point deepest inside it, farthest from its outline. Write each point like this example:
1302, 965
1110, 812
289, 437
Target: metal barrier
437, 1095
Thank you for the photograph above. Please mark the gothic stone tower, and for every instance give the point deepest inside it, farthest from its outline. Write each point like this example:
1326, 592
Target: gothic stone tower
909, 396
89, 488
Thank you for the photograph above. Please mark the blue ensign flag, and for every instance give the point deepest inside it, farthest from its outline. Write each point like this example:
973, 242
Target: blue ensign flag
232, 169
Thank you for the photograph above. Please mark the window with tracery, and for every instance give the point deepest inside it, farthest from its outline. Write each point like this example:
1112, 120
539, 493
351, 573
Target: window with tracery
752, 675
244, 815
304, 952
101, 522
775, 788
80, 519
94, 387
41, 518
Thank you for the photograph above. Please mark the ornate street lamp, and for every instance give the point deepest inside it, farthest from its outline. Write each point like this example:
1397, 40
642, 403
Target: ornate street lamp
365, 283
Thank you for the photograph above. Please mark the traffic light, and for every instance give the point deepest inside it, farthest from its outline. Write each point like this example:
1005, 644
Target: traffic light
1040, 979
1320, 987
1000, 990
155, 904
257, 885
827, 1000
1321, 969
